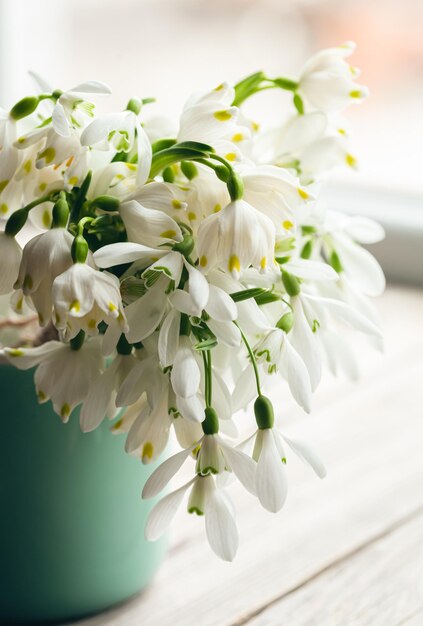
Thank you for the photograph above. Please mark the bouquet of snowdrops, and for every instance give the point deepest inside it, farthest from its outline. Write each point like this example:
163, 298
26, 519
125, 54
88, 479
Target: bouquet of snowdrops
177, 272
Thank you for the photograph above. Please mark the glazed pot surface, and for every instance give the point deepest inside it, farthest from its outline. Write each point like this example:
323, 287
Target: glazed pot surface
72, 519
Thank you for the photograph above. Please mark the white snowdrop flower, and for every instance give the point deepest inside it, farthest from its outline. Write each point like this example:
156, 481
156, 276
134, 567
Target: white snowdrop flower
205, 499
327, 80
150, 227
359, 265
10, 259
63, 374
310, 144
44, 257
235, 238
149, 433
55, 149
72, 109
215, 456
210, 117
121, 132
218, 305
277, 354
83, 297
271, 480
100, 400
276, 193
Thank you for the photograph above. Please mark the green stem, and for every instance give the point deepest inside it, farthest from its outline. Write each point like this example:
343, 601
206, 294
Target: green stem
208, 377
252, 357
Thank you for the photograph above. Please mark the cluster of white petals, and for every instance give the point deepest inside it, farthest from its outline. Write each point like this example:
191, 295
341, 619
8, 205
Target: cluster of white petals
181, 272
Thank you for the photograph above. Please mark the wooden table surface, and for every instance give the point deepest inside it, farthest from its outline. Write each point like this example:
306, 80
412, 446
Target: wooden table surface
345, 551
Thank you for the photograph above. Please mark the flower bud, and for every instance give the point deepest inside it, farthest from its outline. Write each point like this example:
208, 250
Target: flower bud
24, 107
168, 175
286, 322
291, 284
79, 249
335, 262
211, 422
307, 249
106, 203
263, 411
16, 222
134, 105
189, 169
60, 212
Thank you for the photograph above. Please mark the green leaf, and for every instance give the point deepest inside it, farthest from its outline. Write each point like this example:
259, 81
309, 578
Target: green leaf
206, 344
246, 294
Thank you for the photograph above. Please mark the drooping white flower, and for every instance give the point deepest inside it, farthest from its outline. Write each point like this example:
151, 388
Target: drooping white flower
10, 259
83, 297
63, 375
271, 479
235, 238
327, 81
44, 257
218, 305
276, 193
100, 400
276, 353
205, 499
72, 109
121, 132
210, 117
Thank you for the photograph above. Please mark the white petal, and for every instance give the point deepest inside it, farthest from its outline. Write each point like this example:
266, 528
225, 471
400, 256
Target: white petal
360, 266
198, 286
307, 454
221, 530
226, 332
185, 376
25, 358
164, 473
191, 408
144, 154
293, 368
242, 466
311, 270
169, 338
60, 123
183, 302
271, 483
162, 514
305, 343
364, 230
348, 315
124, 252
220, 305
96, 403
92, 87
245, 389
145, 314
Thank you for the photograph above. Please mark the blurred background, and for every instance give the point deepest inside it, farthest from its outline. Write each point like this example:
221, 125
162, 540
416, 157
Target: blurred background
169, 48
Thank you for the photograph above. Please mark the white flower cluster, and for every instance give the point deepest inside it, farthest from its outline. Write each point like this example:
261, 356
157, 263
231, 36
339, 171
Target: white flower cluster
183, 270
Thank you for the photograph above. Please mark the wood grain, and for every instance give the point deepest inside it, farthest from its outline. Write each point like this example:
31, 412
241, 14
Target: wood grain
371, 437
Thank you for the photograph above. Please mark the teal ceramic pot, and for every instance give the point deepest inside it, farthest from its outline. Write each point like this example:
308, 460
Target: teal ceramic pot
71, 515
